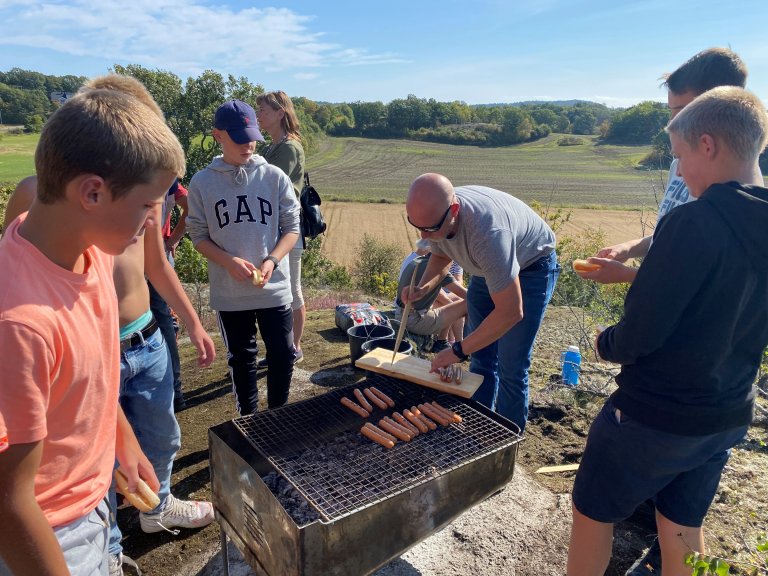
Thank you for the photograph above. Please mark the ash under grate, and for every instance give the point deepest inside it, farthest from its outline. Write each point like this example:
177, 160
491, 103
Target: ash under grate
316, 445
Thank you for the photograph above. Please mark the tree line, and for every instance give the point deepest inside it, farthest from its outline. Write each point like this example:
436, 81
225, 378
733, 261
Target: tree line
189, 107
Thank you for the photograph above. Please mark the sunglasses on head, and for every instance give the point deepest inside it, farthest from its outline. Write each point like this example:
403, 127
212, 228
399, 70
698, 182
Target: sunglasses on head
434, 228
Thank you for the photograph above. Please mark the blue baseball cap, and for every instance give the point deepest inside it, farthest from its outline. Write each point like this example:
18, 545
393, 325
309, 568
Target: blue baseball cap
239, 120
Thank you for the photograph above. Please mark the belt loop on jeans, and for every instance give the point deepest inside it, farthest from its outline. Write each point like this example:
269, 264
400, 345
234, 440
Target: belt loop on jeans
139, 337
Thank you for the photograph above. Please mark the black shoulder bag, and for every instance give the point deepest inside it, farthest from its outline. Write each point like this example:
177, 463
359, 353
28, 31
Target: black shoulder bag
312, 222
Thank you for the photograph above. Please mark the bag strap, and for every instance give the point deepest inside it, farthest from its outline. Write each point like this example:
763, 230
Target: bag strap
306, 178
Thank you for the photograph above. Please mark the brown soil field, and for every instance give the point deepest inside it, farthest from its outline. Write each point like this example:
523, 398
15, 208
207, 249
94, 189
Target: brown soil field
349, 221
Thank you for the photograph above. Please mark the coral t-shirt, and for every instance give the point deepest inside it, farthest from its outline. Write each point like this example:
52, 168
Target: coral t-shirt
60, 372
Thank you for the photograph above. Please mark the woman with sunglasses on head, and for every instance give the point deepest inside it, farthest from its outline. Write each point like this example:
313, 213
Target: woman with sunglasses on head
278, 118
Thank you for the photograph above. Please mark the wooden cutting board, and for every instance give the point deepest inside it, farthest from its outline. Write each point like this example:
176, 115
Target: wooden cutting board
416, 370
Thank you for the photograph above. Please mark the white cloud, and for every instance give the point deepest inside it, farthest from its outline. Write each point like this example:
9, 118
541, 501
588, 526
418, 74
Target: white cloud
182, 36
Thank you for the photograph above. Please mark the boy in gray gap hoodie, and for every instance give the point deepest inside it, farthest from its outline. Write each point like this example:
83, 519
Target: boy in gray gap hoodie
244, 218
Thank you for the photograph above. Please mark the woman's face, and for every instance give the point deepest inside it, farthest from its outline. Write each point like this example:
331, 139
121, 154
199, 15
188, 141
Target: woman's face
269, 118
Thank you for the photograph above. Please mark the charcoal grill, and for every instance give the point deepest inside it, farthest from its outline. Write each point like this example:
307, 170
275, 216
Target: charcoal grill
367, 504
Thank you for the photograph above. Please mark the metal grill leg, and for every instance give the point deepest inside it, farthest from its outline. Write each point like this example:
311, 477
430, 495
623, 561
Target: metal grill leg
224, 552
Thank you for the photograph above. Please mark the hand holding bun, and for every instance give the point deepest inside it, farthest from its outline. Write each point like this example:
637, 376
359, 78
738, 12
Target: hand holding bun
257, 277
585, 266
143, 499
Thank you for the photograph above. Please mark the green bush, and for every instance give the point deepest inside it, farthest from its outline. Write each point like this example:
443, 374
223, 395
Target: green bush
317, 271
376, 271
191, 266
570, 141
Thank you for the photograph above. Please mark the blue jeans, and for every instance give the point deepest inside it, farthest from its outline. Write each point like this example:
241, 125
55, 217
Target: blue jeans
146, 396
162, 313
504, 364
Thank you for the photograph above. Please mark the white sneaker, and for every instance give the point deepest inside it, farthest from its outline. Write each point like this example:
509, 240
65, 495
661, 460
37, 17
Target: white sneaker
116, 562
177, 514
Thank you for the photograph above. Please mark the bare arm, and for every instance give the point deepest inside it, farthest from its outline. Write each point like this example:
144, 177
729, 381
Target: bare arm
21, 199
508, 311
27, 542
163, 277
132, 461
181, 225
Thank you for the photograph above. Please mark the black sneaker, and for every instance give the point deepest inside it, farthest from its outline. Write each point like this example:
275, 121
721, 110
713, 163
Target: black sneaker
649, 564
440, 345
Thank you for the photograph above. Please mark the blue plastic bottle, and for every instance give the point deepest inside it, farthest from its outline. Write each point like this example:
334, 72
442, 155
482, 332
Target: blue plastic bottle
571, 360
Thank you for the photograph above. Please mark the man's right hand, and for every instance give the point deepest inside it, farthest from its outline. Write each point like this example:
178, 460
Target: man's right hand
240, 269
407, 296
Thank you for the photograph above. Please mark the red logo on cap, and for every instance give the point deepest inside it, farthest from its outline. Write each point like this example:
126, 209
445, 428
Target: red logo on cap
3, 443
245, 119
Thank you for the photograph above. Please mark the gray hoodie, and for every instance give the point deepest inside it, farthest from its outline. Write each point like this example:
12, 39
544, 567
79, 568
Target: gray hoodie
244, 210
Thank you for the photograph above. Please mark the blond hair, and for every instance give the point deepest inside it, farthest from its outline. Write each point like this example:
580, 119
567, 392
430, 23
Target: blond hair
727, 113
279, 100
107, 133
126, 85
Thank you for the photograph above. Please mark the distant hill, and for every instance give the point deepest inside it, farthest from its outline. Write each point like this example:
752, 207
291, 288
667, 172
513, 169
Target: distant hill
534, 102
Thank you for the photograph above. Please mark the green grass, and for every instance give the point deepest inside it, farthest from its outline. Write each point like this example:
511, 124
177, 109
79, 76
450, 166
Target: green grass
17, 156
591, 174
368, 170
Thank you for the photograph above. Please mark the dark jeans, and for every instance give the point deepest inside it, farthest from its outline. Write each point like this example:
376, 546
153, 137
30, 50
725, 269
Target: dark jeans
504, 364
162, 313
238, 330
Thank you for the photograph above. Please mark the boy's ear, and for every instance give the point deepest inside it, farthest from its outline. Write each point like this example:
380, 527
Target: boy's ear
708, 145
91, 190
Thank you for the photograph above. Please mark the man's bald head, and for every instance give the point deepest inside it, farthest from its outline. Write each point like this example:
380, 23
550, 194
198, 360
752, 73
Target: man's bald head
428, 197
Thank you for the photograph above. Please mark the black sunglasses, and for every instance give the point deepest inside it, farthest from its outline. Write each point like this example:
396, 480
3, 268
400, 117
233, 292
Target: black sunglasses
434, 228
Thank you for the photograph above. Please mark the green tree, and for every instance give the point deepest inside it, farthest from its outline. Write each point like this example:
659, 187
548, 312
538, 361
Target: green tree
639, 124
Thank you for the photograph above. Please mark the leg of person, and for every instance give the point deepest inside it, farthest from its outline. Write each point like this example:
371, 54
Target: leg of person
84, 542
485, 361
682, 504
299, 310
162, 314
238, 330
590, 548
276, 325
515, 348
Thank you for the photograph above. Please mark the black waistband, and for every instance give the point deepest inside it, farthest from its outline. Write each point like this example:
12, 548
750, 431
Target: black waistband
137, 338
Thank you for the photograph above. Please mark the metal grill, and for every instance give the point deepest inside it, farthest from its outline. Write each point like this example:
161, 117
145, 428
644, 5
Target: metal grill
317, 447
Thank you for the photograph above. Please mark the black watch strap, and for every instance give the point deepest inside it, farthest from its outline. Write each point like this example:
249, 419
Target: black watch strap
458, 351
272, 259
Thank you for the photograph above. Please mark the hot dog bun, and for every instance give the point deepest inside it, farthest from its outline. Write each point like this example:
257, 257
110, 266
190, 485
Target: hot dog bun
143, 499
257, 277
584, 266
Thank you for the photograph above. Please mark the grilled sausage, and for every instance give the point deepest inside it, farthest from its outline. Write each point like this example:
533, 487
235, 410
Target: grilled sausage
452, 415
143, 499
433, 413
400, 427
416, 421
378, 438
416, 412
381, 432
380, 394
362, 401
395, 430
375, 399
355, 407
400, 419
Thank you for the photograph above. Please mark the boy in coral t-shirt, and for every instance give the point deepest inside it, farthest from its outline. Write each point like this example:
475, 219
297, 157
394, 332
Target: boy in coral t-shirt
104, 162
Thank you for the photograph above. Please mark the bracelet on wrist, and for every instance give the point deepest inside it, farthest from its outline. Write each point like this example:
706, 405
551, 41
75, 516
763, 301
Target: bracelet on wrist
458, 351
272, 259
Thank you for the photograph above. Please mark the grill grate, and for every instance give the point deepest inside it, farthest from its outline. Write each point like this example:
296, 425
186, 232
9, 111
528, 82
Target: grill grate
316, 445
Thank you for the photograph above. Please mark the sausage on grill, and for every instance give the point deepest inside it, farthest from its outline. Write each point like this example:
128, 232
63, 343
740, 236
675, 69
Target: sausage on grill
416, 412
371, 434
384, 397
416, 421
433, 413
452, 415
375, 399
381, 432
355, 407
362, 401
398, 431
400, 419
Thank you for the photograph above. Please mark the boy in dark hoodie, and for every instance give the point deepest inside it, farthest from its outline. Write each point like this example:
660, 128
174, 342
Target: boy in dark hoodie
690, 355
244, 218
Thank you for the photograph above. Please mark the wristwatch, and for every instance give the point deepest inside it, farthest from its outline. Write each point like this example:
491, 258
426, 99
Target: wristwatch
459, 352
271, 258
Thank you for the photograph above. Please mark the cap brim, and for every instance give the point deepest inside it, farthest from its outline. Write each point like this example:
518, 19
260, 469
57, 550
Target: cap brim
245, 135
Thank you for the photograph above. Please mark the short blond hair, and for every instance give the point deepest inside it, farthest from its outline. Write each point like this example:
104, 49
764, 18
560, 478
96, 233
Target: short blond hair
728, 113
108, 133
126, 85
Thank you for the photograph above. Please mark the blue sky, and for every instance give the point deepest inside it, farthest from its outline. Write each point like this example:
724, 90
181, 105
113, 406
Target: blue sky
477, 51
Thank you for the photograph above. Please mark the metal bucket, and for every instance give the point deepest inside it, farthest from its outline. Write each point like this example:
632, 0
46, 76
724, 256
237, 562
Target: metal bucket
359, 335
388, 344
